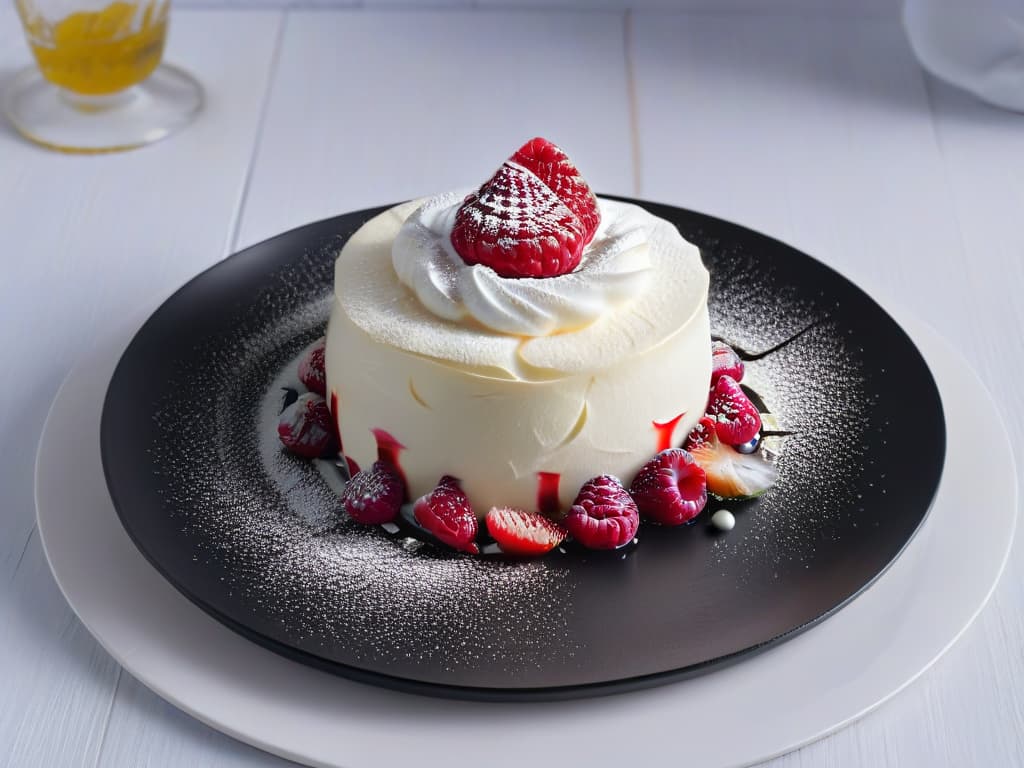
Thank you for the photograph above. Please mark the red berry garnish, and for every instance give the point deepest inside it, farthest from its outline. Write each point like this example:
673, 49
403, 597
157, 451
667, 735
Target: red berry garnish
604, 516
700, 434
305, 427
523, 534
551, 165
736, 419
374, 496
725, 362
670, 489
446, 513
518, 227
311, 368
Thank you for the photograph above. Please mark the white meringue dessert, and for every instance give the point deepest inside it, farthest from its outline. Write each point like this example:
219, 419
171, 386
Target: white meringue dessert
522, 388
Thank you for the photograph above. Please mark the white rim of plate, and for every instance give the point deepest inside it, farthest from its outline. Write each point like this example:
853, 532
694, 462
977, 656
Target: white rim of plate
776, 701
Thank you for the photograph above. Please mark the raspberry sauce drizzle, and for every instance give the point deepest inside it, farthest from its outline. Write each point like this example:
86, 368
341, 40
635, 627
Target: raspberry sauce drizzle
334, 420
547, 493
388, 449
665, 431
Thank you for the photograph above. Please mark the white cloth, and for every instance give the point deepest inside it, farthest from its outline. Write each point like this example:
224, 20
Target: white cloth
977, 45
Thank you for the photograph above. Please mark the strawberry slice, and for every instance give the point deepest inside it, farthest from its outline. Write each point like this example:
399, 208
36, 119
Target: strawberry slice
736, 419
305, 427
603, 515
671, 488
518, 227
725, 362
374, 496
523, 534
446, 513
311, 368
731, 474
550, 164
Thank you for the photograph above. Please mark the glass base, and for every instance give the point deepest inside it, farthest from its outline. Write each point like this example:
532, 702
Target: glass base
58, 119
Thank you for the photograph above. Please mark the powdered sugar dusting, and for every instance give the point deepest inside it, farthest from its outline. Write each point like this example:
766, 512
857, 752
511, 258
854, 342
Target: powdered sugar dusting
815, 388
264, 527
273, 524
519, 207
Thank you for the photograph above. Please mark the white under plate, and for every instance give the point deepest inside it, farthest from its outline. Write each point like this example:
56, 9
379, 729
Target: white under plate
761, 707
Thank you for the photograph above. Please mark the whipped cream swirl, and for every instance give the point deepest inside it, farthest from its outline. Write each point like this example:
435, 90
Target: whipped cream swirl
615, 267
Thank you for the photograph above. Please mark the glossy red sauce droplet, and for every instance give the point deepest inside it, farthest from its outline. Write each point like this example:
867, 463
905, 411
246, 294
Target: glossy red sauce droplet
334, 420
665, 431
547, 493
388, 449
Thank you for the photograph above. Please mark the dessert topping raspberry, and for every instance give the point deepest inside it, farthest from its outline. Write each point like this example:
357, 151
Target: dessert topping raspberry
518, 227
311, 368
549, 163
725, 362
700, 434
374, 496
670, 489
603, 515
447, 514
305, 427
736, 419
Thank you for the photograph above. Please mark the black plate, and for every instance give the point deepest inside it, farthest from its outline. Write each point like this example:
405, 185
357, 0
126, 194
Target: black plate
250, 534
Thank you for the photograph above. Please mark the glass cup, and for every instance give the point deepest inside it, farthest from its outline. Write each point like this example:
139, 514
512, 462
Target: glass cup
99, 85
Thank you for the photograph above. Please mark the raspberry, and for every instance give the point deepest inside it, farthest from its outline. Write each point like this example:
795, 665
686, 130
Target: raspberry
311, 368
374, 496
725, 362
305, 427
671, 488
603, 515
550, 164
446, 513
737, 421
518, 227
700, 434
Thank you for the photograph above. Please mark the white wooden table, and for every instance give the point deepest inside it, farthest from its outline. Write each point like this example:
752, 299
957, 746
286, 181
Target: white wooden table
816, 127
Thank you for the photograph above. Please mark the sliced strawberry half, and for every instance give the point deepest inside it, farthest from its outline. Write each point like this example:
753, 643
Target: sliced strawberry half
671, 488
725, 362
523, 534
549, 163
737, 421
305, 427
604, 516
447, 514
518, 227
731, 474
373, 496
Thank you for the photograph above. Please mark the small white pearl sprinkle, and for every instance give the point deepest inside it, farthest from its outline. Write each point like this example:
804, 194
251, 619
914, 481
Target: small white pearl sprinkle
723, 520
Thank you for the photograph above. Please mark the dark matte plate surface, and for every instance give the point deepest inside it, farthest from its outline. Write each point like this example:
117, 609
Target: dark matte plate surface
251, 535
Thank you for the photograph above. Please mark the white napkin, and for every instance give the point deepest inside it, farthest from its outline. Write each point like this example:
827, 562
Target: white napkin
977, 45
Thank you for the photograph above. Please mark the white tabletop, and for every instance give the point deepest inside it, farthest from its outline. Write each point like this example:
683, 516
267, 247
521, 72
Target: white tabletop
815, 127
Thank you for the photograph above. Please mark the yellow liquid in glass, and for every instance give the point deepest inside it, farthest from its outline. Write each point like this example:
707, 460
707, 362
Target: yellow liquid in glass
100, 52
